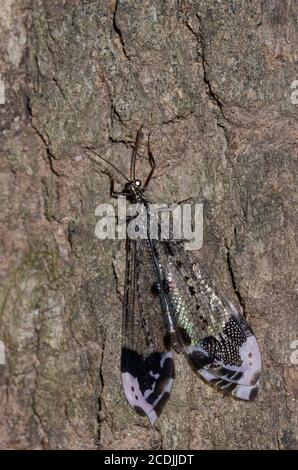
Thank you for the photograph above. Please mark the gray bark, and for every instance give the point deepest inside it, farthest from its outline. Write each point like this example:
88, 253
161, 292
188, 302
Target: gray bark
211, 81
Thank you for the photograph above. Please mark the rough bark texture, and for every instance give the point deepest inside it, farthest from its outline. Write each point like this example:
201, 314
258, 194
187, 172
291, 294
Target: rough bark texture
211, 81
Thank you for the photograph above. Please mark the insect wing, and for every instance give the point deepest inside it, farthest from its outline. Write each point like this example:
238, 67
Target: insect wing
147, 363
218, 342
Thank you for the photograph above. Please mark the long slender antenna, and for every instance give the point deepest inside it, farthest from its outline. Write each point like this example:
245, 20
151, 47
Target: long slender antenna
91, 149
134, 155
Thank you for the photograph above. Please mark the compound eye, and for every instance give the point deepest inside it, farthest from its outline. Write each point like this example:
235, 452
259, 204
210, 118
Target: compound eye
138, 183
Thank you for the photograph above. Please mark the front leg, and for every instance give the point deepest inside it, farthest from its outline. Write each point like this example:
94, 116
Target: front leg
152, 163
114, 193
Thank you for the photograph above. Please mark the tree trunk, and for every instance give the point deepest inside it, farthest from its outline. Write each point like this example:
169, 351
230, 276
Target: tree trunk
211, 82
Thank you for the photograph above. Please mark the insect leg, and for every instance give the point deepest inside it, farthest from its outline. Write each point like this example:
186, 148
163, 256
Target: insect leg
114, 193
134, 155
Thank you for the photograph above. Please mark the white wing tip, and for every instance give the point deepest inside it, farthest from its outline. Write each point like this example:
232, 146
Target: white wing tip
246, 392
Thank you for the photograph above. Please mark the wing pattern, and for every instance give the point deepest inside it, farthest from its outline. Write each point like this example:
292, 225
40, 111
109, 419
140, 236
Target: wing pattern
163, 278
218, 342
147, 362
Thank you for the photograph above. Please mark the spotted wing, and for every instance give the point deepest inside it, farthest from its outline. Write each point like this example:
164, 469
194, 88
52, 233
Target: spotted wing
147, 364
218, 341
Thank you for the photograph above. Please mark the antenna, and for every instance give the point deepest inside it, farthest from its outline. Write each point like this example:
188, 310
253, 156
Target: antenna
91, 149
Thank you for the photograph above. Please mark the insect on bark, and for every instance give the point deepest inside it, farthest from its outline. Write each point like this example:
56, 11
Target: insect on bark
171, 302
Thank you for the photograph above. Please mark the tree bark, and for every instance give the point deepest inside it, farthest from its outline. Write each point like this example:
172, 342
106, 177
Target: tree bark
211, 82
